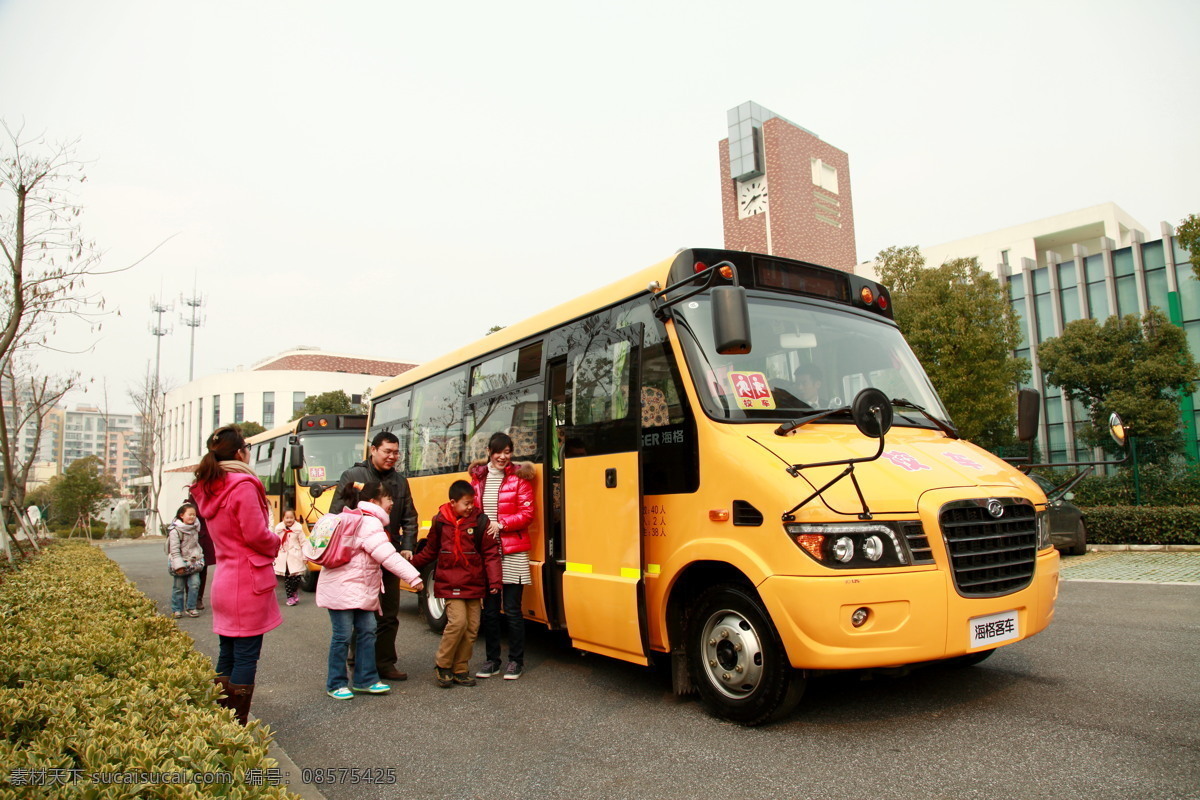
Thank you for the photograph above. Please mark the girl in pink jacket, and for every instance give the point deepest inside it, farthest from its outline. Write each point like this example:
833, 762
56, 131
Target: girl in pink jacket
351, 592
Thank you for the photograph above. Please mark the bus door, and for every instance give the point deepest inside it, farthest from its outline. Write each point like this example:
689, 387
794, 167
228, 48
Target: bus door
602, 584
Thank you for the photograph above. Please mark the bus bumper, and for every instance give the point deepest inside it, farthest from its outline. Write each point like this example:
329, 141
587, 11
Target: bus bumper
912, 616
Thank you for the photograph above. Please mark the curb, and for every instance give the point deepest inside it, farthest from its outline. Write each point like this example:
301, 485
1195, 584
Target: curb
1143, 548
292, 773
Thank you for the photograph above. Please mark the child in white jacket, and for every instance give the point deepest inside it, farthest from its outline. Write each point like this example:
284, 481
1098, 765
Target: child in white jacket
290, 564
351, 592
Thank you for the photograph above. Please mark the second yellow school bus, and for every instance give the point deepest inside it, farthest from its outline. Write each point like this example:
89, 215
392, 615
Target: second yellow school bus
300, 464
712, 483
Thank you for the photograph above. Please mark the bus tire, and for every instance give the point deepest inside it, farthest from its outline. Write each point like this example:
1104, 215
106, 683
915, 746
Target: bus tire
309, 582
737, 660
429, 608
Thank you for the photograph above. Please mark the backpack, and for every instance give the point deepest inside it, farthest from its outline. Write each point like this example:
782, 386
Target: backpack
331, 541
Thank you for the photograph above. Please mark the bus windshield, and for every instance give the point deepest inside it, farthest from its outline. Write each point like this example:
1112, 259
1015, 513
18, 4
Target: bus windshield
805, 356
328, 454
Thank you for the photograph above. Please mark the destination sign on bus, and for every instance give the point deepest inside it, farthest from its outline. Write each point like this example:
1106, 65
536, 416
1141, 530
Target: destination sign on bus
784, 277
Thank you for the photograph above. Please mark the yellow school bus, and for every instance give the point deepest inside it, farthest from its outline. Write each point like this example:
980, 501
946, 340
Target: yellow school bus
742, 468
300, 463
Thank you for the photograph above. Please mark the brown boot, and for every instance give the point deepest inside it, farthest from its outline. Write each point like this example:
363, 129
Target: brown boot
224, 700
242, 694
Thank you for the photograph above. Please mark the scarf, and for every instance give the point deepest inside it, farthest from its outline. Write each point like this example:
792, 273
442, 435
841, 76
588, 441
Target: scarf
184, 528
233, 465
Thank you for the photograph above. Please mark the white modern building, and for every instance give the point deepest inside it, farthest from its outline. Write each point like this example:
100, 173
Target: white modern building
1043, 242
269, 393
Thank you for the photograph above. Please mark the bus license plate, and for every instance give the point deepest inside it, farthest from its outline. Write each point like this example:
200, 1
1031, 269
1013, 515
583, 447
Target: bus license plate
993, 629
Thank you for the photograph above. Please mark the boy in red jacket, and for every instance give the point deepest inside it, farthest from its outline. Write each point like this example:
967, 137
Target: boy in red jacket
468, 567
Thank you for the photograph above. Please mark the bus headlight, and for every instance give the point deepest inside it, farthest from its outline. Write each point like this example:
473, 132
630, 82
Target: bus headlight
843, 549
1043, 530
873, 548
851, 545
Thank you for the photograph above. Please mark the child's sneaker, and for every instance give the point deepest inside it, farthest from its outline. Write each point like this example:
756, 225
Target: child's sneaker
374, 688
444, 677
341, 694
490, 669
291, 601
513, 672
464, 679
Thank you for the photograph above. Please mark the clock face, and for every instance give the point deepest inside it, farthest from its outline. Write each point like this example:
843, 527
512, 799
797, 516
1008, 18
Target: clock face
752, 197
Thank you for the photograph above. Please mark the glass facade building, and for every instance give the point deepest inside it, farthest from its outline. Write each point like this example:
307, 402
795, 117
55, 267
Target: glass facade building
1125, 280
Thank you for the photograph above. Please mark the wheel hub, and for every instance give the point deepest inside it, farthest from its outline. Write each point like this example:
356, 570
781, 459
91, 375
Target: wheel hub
732, 656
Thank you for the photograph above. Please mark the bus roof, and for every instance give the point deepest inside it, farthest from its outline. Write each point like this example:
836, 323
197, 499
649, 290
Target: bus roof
615, 292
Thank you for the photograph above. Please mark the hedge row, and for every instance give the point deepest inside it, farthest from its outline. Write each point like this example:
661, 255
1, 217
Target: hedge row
96, 681
1143, 524
1157, 485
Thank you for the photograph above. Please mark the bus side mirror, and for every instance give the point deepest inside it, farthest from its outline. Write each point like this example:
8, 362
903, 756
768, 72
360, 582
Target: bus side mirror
1029, 408
1118, 429
296, 456
731, 320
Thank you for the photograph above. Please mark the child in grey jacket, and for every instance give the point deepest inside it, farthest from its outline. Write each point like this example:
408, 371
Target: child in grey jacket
185, 560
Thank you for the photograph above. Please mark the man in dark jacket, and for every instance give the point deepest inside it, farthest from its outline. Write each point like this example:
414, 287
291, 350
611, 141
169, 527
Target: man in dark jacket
402, 530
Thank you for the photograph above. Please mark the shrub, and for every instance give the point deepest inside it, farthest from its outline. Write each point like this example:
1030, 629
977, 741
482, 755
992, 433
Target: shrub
1143, 524
96, 680
1160, 485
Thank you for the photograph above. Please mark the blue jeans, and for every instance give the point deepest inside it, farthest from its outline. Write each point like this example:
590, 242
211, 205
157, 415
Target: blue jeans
188, 583
238, 658
362, 625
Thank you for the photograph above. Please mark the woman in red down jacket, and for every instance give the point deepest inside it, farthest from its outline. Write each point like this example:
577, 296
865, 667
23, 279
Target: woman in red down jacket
230, 498
504, 492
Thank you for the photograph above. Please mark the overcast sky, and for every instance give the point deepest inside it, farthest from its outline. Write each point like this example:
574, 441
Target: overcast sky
391, 179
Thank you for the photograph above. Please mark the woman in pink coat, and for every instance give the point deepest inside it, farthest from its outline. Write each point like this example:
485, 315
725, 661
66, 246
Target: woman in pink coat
351, 592
230, 498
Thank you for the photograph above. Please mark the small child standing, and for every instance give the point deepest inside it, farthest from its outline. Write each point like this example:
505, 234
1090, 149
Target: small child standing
185, 559
351, 591
468, 567
289, 564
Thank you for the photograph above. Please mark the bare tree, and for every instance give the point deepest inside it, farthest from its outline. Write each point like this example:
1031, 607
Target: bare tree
149, 400
27, 399
46, 259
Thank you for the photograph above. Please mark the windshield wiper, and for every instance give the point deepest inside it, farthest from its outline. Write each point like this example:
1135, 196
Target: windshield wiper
903, 403
788, 427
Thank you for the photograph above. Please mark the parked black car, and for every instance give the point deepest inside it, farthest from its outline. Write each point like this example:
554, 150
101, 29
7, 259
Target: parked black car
1068, 530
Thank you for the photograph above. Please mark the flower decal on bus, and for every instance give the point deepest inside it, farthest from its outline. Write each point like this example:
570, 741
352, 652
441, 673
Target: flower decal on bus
905, 460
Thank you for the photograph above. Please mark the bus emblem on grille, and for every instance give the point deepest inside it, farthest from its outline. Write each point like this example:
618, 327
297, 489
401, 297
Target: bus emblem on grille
994, 508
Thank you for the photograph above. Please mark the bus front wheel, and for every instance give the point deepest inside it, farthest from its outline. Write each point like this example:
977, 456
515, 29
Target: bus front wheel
309, 582
431, 609
737, 660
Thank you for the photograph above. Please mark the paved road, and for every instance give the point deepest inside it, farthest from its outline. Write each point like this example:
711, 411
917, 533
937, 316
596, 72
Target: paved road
1104, 704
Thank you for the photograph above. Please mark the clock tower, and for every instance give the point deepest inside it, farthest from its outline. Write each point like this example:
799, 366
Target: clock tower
784, 191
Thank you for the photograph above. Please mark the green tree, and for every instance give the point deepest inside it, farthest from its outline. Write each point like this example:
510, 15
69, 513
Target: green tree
335, 402
959, 322
249, 429
80, 489
1136, 367
1188, 234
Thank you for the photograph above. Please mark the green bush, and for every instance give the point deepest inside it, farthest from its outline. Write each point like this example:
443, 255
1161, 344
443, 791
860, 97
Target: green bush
1160, 485
1143, 524
94, 679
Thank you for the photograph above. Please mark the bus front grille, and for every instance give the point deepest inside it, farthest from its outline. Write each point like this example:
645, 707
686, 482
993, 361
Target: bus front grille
918, 542
990, 554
